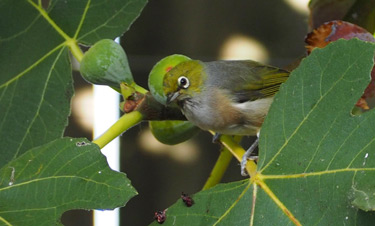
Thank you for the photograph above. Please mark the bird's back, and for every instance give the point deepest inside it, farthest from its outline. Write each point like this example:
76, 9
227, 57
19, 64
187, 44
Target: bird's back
246, 79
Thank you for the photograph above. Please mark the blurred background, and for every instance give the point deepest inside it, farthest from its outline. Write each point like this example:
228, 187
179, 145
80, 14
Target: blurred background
269, 31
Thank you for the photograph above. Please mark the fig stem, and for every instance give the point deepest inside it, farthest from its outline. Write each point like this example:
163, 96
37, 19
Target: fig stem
221, 166
139, 88
219, 169
124, 123
74, 49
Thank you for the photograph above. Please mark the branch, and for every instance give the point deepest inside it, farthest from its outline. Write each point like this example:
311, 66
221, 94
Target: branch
124, 123
150, 108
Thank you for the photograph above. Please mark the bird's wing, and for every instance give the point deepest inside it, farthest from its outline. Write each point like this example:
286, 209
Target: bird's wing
246, 80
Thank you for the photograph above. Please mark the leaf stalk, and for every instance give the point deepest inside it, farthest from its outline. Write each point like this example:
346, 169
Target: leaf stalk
124, 123
219, 169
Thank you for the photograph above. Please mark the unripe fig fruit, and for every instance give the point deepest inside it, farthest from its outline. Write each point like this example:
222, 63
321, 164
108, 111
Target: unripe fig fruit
105, 63
173, 132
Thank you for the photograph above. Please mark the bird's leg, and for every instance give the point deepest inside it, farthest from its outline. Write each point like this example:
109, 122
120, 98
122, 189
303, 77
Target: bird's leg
216, 138
246, 157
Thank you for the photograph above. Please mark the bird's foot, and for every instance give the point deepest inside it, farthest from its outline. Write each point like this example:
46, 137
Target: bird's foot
247, 157
216, 138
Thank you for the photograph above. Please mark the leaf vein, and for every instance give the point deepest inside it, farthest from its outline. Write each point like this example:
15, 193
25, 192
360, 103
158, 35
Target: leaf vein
321, 141
56, 178
82, 19
320, 173
16, 77
39, 104
105, 22
310, 112
233, 204
5, 221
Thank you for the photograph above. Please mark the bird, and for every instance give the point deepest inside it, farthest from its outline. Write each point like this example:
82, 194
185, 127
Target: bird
229, 97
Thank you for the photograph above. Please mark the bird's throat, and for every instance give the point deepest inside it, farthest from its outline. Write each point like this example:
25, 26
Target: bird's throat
181, 103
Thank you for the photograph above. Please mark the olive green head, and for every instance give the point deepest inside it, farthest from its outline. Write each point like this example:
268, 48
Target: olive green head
184, 80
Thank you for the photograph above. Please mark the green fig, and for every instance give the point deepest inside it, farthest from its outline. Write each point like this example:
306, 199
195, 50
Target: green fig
105, 63
173, 132
155, 78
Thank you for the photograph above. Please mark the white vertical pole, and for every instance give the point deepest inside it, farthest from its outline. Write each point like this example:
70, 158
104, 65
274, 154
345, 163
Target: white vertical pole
106, 112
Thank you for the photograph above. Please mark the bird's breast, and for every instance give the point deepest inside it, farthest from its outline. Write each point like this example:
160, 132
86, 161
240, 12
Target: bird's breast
217, 111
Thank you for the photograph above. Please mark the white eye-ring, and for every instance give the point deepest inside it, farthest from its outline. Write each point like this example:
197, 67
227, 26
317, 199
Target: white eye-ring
183, 82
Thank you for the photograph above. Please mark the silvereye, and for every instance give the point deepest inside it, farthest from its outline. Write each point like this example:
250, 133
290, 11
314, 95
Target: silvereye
228, 97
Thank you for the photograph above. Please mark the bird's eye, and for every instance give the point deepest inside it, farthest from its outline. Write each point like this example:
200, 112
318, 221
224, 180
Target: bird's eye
183, 82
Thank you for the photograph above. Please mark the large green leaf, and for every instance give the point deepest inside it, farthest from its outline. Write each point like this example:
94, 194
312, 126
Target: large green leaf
37, 187
92, 20
317, 160
35, 72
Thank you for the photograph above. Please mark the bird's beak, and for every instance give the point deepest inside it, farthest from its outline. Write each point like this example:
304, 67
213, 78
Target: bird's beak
172, 96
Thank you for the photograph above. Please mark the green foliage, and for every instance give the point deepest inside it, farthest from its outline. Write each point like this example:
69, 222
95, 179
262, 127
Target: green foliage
35, 94
219, 204
35, 82
317, 161
37, 187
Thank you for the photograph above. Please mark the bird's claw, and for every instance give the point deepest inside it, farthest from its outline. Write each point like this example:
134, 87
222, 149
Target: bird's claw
243, 166
216, 138
247, 157
244, 162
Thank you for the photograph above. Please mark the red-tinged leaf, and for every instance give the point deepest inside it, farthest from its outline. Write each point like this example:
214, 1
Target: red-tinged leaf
334, 30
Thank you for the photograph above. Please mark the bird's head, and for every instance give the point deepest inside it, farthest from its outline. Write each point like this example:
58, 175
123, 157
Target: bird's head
184, 81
